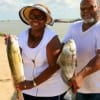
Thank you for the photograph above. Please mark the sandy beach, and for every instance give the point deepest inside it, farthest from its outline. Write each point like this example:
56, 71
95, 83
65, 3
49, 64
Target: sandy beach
6, 84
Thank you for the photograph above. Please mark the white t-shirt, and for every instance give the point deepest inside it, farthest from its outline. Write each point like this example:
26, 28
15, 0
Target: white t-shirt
54, 85
87, 43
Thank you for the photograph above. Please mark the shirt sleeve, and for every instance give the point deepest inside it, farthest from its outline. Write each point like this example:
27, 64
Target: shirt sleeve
98, 41
20, 41
22, 38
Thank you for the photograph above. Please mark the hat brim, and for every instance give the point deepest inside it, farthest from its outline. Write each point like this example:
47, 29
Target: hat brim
24, 14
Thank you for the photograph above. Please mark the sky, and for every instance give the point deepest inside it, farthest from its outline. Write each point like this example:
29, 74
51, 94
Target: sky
60, 9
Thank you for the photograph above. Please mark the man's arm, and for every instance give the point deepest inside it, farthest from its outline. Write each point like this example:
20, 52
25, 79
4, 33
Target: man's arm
91, 67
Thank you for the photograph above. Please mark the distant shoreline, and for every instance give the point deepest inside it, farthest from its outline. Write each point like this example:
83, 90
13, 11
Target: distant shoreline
2, 34
56, 20
9, 20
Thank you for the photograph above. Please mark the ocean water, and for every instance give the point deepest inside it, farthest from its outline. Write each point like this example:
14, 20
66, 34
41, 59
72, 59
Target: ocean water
16, 26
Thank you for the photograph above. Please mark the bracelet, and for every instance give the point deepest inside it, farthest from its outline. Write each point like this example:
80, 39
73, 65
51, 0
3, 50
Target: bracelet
34, 83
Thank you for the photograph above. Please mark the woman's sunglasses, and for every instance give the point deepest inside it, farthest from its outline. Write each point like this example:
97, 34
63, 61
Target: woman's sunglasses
37, 17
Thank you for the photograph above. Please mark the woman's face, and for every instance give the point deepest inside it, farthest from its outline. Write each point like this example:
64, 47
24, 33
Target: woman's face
37, 19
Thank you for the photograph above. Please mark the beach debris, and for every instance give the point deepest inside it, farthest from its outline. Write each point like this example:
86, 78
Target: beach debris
15, 63
67, 61
64, 21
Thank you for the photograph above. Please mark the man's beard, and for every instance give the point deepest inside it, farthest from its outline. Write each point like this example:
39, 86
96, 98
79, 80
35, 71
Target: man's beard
91, 20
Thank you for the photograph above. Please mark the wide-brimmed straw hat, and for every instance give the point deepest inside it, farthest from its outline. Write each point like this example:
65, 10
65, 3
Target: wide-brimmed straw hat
24, 13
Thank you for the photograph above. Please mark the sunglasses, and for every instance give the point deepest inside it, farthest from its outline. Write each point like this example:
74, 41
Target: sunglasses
37, 17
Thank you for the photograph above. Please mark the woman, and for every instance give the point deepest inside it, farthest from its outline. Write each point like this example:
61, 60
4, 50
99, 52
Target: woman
40, 48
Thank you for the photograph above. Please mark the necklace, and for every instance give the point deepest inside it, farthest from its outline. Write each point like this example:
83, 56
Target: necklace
33, 41
34, 63
34, 68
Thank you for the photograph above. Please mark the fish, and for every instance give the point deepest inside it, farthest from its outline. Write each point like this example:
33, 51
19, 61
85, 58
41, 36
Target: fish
67, 60
15, 63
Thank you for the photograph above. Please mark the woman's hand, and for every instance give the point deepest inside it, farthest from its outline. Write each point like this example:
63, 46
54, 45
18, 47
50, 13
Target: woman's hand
24, 85
6, 37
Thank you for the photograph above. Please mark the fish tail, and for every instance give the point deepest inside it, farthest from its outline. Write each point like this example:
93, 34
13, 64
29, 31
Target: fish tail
19, 95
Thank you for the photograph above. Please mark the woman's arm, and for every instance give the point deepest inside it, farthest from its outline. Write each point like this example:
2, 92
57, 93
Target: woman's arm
53, 50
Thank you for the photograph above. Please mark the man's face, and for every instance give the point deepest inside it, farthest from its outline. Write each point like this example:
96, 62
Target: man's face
89, 10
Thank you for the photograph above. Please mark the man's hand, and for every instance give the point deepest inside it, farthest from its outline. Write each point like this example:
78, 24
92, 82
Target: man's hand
76, 82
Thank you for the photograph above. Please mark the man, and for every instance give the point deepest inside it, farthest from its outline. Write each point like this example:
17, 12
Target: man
86, 34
